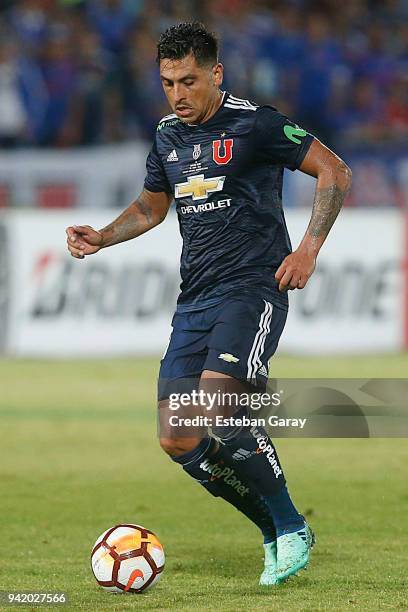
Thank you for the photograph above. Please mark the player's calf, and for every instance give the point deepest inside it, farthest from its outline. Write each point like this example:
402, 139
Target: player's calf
257, 461
211, 466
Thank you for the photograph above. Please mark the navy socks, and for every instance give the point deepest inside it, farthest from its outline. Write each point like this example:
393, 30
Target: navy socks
256, 460
245, 471
285, 516
215, 469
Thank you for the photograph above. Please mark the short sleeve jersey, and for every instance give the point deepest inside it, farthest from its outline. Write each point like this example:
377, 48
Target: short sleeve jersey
226, 178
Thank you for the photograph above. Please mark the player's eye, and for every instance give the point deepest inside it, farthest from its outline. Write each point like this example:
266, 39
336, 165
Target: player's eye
188, 82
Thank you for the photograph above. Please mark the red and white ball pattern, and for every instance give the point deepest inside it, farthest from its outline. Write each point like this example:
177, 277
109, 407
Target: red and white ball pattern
127, 559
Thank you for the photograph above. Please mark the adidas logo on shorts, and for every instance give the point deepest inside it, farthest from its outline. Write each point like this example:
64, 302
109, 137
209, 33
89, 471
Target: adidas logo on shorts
263, 371
172, 156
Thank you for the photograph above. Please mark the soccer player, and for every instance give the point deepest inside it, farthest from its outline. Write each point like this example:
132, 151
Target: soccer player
221, 159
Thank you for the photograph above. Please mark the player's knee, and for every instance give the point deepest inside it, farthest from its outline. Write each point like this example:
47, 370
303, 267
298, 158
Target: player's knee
178, 446
168, 445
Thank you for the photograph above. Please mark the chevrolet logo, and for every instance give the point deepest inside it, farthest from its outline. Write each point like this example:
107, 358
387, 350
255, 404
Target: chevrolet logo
228, 357
199, 187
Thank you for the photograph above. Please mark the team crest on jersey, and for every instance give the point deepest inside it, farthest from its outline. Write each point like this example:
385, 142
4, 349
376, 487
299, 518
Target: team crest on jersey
196, 151
222, 151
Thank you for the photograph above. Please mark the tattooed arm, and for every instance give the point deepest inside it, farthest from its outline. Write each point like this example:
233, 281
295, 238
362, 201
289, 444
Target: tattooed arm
143, 214
333, 183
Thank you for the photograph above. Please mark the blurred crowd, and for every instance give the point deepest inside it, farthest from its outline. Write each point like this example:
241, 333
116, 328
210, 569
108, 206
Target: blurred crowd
83, 72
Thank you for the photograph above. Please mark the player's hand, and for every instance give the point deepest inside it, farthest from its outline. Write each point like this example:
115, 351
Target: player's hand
295, 270
83, 240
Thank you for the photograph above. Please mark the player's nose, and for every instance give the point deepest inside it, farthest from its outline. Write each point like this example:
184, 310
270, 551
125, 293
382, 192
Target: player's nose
179, 93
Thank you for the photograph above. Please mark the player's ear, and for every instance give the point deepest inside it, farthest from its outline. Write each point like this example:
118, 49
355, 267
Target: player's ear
218, 74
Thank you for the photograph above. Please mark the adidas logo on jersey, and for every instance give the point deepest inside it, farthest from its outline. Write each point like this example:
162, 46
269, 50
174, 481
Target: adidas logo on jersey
263, 371
172, 156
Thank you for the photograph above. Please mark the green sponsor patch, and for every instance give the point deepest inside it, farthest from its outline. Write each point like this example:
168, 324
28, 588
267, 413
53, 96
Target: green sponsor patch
294, 133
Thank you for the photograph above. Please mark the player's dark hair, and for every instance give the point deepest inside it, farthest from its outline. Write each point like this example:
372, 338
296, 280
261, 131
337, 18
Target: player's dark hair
185, 38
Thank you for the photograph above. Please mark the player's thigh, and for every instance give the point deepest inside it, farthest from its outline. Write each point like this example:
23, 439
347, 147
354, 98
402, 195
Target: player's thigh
179, 428
183, 361
244, 339
222, 395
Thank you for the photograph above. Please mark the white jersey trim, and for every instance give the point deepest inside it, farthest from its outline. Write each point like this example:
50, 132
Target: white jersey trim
167, 117
233, 102
248, 108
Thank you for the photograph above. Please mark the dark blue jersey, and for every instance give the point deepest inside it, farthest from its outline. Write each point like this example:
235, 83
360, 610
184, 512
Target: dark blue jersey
226, 178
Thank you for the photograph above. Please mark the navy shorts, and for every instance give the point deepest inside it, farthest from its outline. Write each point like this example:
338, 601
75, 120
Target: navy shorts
236, 337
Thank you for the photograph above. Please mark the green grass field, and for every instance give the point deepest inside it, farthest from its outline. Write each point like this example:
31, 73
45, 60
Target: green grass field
79, 453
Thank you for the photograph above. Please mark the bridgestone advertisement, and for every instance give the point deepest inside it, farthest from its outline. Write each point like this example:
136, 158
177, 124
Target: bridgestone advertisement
354, 302
121, 301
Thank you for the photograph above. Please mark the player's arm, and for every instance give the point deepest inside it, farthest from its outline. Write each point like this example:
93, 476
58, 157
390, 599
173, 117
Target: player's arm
147, 211
333, 183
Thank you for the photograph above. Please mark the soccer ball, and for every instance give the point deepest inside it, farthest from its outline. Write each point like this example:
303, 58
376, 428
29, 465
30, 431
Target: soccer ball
127, 559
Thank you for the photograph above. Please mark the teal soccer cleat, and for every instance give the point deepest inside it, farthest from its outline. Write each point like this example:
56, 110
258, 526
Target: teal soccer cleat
293, 552
269, 576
